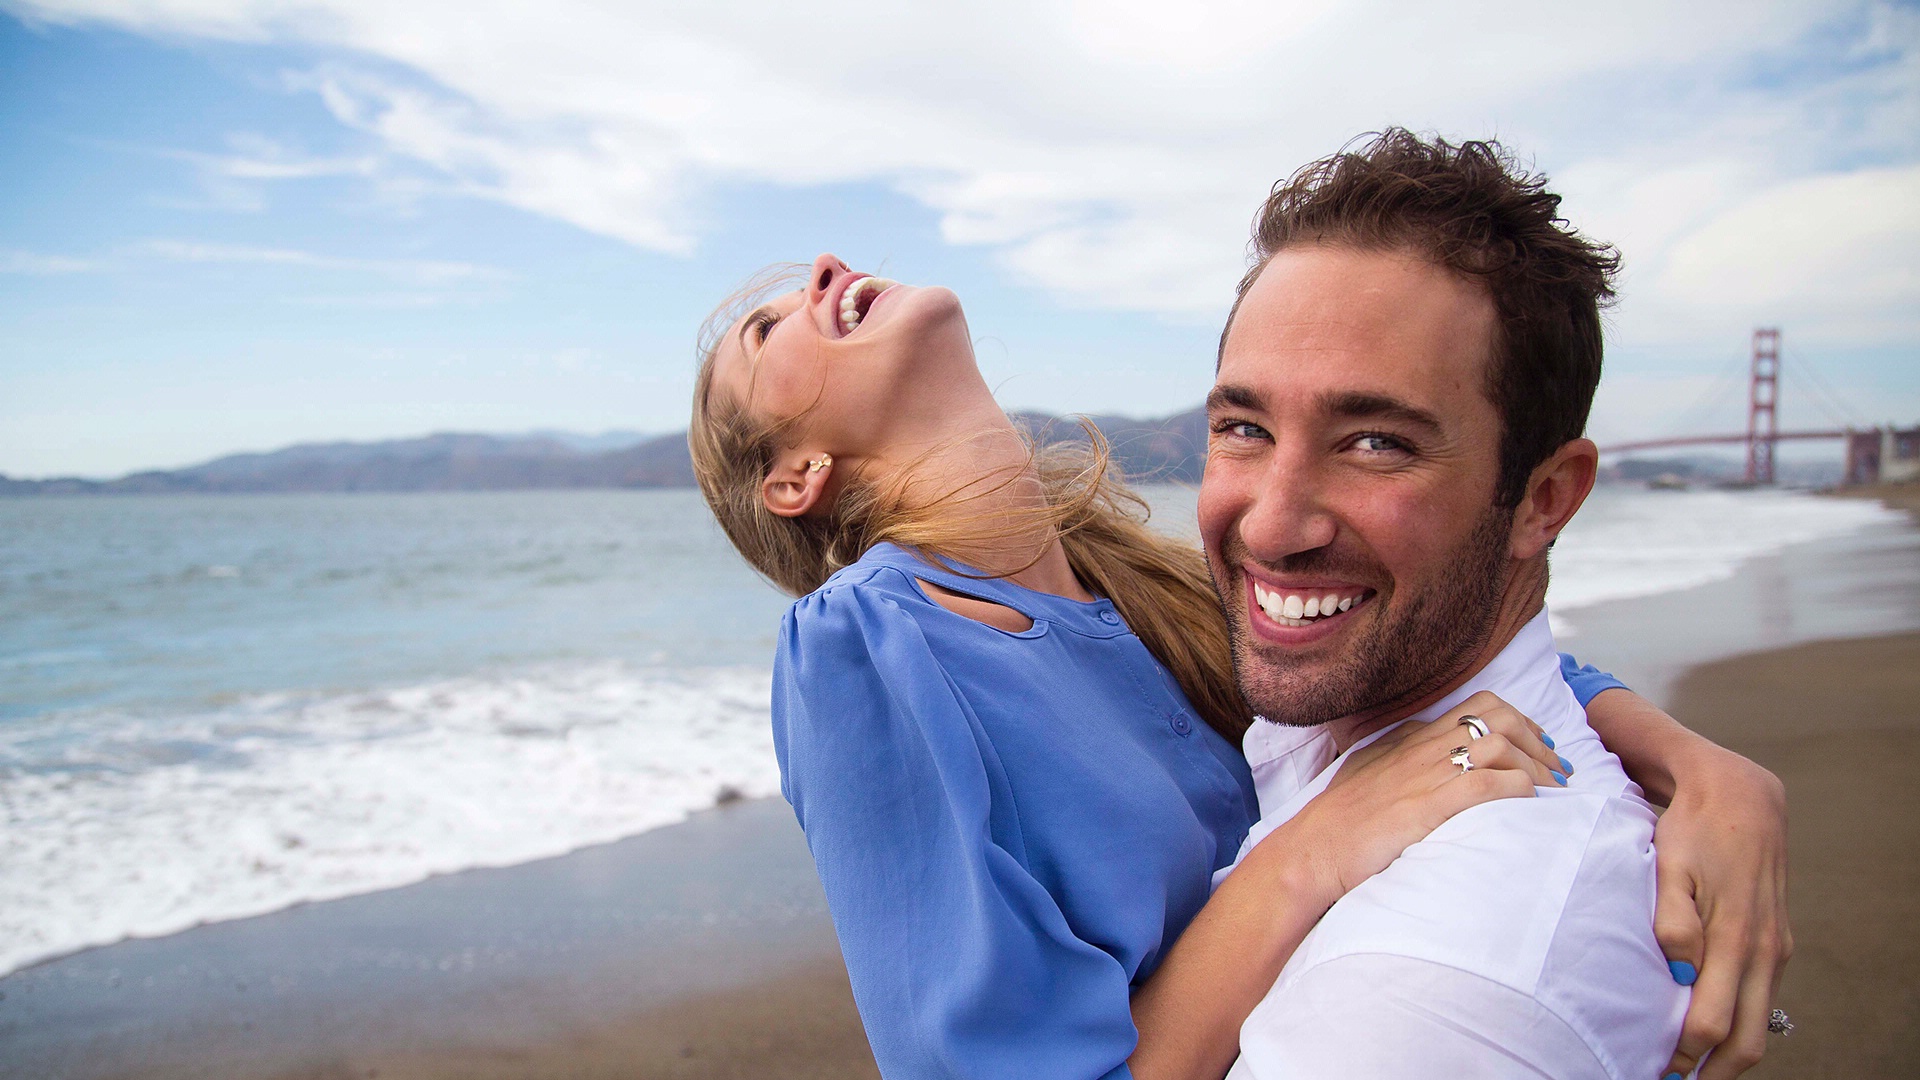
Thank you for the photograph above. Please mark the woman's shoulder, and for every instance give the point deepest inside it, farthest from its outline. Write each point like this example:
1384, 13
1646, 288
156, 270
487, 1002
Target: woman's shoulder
853, 607
876, 584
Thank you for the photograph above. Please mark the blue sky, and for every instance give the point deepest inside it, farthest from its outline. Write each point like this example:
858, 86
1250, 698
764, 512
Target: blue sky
229, 226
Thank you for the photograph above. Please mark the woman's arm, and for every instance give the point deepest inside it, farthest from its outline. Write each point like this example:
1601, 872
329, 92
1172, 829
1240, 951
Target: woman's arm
1386, 797
1721, 849
962, 963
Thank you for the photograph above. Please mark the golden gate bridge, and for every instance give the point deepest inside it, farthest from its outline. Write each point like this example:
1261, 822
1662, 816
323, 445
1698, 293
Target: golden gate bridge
1872, 453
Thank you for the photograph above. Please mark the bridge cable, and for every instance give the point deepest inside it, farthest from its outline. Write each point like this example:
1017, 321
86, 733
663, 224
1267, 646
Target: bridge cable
1851, 416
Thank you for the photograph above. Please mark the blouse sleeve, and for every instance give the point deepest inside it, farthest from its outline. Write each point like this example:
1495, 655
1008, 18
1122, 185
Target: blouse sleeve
961, 963
1587, 681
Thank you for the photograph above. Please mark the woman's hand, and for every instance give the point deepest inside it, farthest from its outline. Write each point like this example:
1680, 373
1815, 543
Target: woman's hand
1721, 850
1393, 792
1385, 797
1721, 853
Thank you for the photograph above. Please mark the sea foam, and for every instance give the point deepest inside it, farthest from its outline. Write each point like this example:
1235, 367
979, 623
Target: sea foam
1630, 542
124, 825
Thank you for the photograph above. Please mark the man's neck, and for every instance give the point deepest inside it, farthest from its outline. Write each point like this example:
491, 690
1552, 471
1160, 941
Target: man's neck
1520, 601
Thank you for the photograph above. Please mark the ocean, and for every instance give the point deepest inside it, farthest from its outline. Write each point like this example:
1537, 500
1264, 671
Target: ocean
215, 707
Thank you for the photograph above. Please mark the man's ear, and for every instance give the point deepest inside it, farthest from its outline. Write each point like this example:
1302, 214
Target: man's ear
796, 484
1554, 492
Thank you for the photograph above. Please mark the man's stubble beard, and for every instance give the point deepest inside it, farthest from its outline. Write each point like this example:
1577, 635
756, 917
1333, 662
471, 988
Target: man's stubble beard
1415, 644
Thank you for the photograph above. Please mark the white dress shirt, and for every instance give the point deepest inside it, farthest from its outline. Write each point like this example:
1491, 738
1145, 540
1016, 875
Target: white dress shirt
1514, 941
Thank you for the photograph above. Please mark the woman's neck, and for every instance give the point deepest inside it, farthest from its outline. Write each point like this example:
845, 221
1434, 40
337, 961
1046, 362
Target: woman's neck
992, 472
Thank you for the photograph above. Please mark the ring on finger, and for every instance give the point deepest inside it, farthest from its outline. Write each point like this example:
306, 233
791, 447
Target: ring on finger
1778, 1023
1463, 757
1476, 727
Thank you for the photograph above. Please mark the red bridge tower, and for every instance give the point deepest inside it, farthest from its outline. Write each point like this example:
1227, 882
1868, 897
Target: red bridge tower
1763, 427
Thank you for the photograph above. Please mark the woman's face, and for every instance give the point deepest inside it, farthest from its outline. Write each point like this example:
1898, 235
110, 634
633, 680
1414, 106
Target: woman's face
863, 362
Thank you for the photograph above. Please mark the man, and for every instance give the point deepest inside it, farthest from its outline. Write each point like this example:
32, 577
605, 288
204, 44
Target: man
1396, 420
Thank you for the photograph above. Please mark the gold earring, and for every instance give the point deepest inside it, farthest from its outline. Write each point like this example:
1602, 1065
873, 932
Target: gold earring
822, 462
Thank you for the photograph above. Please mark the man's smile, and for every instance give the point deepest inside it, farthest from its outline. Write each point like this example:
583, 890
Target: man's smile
1278, 607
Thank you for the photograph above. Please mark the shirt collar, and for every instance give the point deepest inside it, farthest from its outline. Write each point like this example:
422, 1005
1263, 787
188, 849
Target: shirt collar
1293, 764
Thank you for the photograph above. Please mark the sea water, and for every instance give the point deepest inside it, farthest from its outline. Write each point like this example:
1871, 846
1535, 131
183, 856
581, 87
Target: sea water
214, 707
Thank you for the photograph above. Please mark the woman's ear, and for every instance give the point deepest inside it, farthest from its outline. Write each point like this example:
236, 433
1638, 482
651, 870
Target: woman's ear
795, 487
1555, 491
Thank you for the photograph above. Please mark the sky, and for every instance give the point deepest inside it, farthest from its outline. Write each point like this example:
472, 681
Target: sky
235, 225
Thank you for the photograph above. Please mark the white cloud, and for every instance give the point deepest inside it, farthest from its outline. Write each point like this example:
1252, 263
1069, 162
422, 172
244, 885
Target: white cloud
1112, 152
1841, 248
417, 271
36, 265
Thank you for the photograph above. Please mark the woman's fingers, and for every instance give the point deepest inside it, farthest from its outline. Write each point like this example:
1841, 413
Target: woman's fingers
1747, 1042
1677, 926
1484, 785
1503, 718
1496, 751
1710, 1014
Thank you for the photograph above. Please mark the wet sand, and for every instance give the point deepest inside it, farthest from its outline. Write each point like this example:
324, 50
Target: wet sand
697, 951
1839, 723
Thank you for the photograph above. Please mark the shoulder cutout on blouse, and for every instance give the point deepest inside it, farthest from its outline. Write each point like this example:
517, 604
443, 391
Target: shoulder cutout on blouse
998, 616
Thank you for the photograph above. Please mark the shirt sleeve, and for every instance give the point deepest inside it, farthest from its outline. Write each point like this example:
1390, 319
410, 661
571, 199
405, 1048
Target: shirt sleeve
1586, 680
1380, 1017
962, 964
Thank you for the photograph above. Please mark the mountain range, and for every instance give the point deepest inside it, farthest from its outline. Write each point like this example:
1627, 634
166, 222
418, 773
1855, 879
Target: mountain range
1171, 448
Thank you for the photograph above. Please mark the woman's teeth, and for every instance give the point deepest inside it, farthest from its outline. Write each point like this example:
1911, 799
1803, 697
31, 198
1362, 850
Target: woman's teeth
1302, 608
858, 299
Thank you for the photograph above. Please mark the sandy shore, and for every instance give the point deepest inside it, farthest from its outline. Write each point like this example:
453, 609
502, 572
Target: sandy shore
698, 951
1839, 722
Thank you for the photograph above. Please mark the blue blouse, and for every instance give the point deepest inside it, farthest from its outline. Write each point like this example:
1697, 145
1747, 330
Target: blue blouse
1011, 829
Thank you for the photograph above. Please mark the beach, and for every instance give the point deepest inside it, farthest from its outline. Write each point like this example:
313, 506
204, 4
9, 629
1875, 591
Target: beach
703, 949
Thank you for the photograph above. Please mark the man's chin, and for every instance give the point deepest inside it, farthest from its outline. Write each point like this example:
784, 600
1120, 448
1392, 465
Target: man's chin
1299, 698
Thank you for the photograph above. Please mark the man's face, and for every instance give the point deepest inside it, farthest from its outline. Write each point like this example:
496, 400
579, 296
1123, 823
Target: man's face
1347, 508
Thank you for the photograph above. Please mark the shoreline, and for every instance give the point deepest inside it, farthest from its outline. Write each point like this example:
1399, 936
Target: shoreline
1862, 584
598, 955
1839, 722
703, 949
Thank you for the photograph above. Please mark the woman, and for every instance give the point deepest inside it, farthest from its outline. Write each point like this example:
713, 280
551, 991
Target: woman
984, 710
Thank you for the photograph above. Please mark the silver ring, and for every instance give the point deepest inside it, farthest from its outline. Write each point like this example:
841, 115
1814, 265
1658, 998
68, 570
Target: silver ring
1477, 727
1779, 1024
1462, 757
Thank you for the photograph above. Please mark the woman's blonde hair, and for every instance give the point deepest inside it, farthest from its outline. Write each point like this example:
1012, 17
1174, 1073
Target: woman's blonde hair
1160, 585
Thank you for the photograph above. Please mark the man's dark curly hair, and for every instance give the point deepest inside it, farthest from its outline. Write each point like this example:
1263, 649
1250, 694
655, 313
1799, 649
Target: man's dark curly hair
1477, 211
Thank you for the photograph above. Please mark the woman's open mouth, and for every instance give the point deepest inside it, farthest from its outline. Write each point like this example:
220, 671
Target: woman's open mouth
858, 300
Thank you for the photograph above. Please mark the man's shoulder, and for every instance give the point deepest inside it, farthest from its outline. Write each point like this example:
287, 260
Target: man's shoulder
1549, 899
1488, 890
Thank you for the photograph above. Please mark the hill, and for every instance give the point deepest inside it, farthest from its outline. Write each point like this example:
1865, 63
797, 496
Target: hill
1172, 448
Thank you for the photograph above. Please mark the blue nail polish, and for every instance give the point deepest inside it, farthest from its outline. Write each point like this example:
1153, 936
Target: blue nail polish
1673, 1076
1683, 972
1565, 765
1548, 739
1558, 777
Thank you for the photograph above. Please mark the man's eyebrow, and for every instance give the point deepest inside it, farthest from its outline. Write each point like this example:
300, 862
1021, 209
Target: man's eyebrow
1353, 405
1230, 396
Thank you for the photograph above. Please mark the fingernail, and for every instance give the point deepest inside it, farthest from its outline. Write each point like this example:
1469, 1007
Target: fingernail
1548, 739
1673, 1076
1565, 765
1683, 972
1557, 776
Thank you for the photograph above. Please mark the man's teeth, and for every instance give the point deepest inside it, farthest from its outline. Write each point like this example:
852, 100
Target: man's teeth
851, 311
1299, 608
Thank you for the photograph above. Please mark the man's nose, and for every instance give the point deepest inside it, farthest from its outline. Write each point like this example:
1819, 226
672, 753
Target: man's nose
1289, 513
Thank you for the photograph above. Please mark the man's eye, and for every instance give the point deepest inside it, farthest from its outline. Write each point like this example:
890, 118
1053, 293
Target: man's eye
1240, 429
1379, 444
